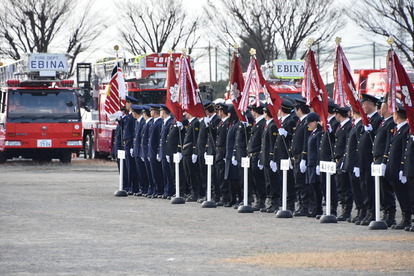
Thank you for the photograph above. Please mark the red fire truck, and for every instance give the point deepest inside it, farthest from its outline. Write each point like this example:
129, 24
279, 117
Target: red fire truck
145, 79
40, 114
374, 81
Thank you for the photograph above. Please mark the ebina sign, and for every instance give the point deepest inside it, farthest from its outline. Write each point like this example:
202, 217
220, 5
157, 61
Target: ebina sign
288, 69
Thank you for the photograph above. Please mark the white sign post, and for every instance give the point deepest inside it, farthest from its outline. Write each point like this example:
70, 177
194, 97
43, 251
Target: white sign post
246, 208
177, 199
209, 160
329, 168
284, 213
378, 224
121, 157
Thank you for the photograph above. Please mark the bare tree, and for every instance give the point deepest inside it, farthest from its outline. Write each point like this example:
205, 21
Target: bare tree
154, 25
250, 22
29, 26
273, 26
388, 18
298, 20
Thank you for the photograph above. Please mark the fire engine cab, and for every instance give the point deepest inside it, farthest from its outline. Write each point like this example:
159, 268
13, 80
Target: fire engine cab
39, 110
145, 79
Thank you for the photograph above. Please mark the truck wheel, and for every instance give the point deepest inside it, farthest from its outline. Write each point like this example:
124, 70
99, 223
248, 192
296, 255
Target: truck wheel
89, 147
66, 157
3, 158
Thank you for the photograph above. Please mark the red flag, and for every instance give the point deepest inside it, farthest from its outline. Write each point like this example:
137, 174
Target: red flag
256, 83
344, 87
171, 100
314, 89
188, 91
272, 99
115, 96
236, 85
407, 90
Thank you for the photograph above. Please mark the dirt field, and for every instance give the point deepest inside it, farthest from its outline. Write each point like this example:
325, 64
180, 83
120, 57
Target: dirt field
64, 220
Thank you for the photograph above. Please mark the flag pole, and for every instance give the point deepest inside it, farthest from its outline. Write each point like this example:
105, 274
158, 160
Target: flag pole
121, 153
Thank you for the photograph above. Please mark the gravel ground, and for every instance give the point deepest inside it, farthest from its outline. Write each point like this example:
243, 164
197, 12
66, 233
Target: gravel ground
64, 220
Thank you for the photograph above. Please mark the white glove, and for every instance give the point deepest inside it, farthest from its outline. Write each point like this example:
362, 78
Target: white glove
282, 131
329, 128
402, 178
179, 125
302, 166
205, 154
168, 158
383, 166
412, 137
234, 161
246, 124
158, 158
206, 120
273, 166
148, 159
142, 158
180, 155
368, 128
356, 171
194, 158
259, 166
318, 171
290, 164
131, 151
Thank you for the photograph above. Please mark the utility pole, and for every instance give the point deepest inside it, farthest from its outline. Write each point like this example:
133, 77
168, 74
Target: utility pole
216, 64
373, 55
209, 63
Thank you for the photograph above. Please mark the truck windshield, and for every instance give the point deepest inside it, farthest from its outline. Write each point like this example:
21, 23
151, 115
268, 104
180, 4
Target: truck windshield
36, 105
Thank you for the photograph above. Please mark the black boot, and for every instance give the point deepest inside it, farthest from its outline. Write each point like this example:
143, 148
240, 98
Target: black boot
361, 217
267, 205
406, 221
274, 206
346, 212
370, 217
260, 203
390, 221
352, 220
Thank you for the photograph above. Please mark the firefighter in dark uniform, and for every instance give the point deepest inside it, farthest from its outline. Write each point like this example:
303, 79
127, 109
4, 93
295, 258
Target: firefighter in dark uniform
283, 143
343, 181
298, 150
188, 150
128, 139
154, 135
406, 173
392, 172
148, 188
118, 145
139, 166
363, 170
253, 149
220, 152
213, 121
380, 149
350, 161
231, 171
273, 188
242, 136
167, 176
326, 154
174, 144
312, 158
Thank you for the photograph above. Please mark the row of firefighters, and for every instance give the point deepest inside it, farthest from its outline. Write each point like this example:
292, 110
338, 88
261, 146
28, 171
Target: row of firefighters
150, 136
